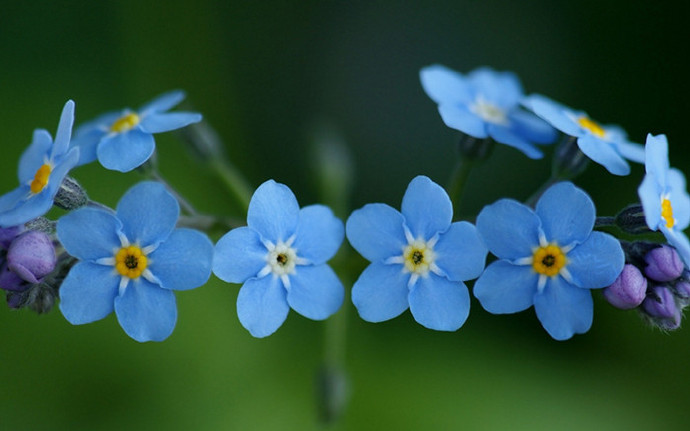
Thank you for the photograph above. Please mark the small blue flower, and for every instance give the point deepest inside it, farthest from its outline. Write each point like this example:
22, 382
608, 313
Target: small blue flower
486, 103
123, 140
549, 258
131, 261
42, 168
281, 256
419, 259
664, 199
606, 145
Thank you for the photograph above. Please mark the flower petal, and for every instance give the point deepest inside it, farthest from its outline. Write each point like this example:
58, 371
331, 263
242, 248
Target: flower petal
273, 211
678, 240
64, 130
460, 118
656, 157
89, 233
460, 252
146, 312
148, 213
315, 291
376, 231
125, 151
440, 304
510, 229
506, 288
597, 262
380, 293
531, 127
34, 156
89, 135
319, 234
262, 306
183, 260
508, 137
426, 207
444, 85
554, 113
567, 214
650, 198
157, 123
563, 309
22, 207
604, 153
239, 255
631, 151
680, 200
500, 88
88, 292
163, 102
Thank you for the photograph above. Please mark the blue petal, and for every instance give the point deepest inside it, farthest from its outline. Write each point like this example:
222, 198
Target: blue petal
604, 153
239, 255
157, 123
531, 127
506, 288
680, 200
500, 88
125, 151
557, 115
597, 262
508, 137
459, 117
567, 214
678, 240
88, 293
426, 207
146, 312
163, 102
89, 234
273, 211
650, 197
380, 293
62, 167
315, 291
376, 231
262, 306
183, 260
631, 151
510, 229
440, 304
19, 206
319, 234
89, 135
563, 309
444, 85
148, 213
460, 252
34, 156
64, 130
656, 157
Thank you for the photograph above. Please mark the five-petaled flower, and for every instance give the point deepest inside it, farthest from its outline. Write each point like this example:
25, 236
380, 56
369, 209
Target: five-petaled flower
664, 199
281, 256
486, 103
131, 261
606, 145
419, 259
123, 141
42, 168
548, 257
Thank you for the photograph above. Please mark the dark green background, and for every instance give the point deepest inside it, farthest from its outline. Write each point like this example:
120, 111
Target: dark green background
265, 74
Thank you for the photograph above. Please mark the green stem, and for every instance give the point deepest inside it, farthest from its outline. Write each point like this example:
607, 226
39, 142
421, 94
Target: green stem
234, 181
457, 182
184, 203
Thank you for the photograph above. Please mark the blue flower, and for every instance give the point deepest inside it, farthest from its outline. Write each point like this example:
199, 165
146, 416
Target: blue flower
123, 140
131, 261
484, 104
664, 199
419, 259
42, 168
606, 145
548, 257
280, 256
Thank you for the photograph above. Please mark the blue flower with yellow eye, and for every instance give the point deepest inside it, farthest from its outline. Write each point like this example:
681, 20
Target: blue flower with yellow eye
665, 200
606, 145
486, 104
419, 259
548, 258
42, 167
131, 261
123, 140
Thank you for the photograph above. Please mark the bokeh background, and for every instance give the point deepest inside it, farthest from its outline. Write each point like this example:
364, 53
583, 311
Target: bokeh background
267, 75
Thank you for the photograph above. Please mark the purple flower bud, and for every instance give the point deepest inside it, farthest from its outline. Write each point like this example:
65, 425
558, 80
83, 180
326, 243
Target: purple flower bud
8, 234
660, 306
31, 256
663, 264
10, 281
629, 289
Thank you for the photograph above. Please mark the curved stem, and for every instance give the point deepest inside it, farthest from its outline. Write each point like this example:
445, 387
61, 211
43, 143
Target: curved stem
233, 180
457, 182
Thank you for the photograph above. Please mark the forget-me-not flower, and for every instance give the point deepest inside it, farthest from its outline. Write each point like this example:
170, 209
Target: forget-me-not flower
419, 259
606, 145
123, 140
548, 257
131, 261
42, 167
280, 257
486, 103
664, 198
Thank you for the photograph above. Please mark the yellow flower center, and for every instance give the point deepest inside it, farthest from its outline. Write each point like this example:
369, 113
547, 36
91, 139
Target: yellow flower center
418, 257
592, 126
125, 123
548, 260
130, 261
667, 213
41, 178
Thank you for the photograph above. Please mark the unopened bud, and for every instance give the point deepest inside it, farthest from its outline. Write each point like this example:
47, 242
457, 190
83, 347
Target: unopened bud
628, 290
661, 308
663, 264
32, 256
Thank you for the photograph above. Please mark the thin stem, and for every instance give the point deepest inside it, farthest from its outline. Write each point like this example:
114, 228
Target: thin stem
233, 180
184, 203
457, 182
532, 200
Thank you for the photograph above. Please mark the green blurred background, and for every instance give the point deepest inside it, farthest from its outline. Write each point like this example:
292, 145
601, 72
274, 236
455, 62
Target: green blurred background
266, 75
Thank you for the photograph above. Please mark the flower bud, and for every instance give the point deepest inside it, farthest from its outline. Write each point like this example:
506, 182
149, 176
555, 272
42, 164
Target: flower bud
31, 256
70, 195
661, 308
631, 220
628, 290
10, 281
663, 264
